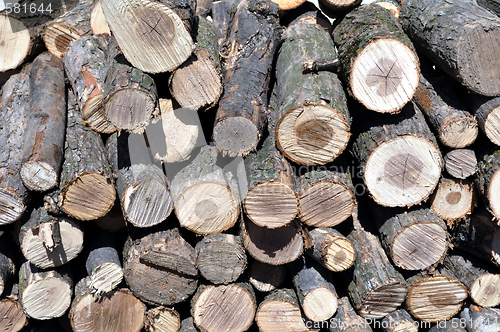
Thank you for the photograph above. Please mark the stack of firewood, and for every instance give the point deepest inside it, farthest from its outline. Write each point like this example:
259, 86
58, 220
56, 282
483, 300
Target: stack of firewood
350, 181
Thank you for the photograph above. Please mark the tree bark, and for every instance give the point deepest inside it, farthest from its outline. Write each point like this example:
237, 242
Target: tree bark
266, 277
479, 319
399, 157
7, 267
162, 319
453, 199
331, 249
187, 325
347, 320
399, 320
378, 79
487, 180
460, 163
455, 35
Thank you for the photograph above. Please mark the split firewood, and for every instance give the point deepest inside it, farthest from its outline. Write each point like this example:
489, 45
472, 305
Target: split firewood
205, 197
224, 307
481, 280
487, 112
49, 241
221, 258
87, 190
399, 320
376, 77
453, 199
273, 246
438, 97
479, 319
118, 311
15, 104
435, 298
160, 268
347, 320
315, 124
113, 221
460, 163
13, 317
266, 277
141, 185
7, 267
86, 66
452, 35
450, 325
487, 181
44, 294
150, 34
98, 21
399, 156
162, 319
331, 249
247, 68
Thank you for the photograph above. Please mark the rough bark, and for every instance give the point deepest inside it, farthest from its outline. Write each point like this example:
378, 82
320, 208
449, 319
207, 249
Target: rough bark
479, 319
347, 320
331, 249
453, 199
162, 319
7, 267
460, 163
266, 277
459, 37
399, 320
187, 325
487, 180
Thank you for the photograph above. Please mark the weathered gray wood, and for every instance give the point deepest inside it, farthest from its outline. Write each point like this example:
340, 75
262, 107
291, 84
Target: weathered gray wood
399, 320
187, 325
493, 5
479, 319
331, 249
347, 320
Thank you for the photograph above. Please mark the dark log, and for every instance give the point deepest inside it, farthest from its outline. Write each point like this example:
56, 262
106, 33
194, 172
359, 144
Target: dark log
241, 115
451, 325
160, 268
118, 311
315, 123
492, 5
98, 21
7, 267
221, 19
224, 308
453, 199
204, 8
458, 37
162, 319
15, 104
399, 157
487, 181
435, 298
87, 190
479, 319
221, 258
187, 325
113, 221
266, 277
347, 320
377, 78
331, 249
399, 320
460, 163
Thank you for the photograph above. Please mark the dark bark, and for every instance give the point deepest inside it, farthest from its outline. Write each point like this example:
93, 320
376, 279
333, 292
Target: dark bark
266, 277
493, 5
487, 180
399, 320
7, 267
331, 249
187, 325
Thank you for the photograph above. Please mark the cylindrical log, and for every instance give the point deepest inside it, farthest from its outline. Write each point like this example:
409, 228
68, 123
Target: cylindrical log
15, 104
50, 241
273, 246
336, 7
460, 163
399, 320
481, 281
487, 180
394, 6
221, 19
451, 325
266, 277
118, 311
331, 249
453, 199
241, 114
7, 267
162, 319
160, 268
479, 319
113, 221
315, 124
435, 298
221, 258
347, 320
98, 21
87, 188
141, 185
399, 157
487, 112
44, 294
205, 198
453, 34
493, 5
46, 123
13, 317
378, 78
224, 307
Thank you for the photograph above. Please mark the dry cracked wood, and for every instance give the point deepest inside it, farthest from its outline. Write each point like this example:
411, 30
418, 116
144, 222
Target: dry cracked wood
331, 249
162, 319
453, 199
479, 319
460, 163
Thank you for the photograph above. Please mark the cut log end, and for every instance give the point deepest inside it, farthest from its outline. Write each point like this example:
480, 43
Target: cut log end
289, 4
382, 300
394, 10
162, 319
459, 133
265, 277
382, 81
55, 291
98, 21
277, 315
453, 199
106, 277
492, 125
87, 197
126, 110
14, 42
320, 304
403, 171
236, 136
11, 206
493, 194
93, 115
461, 163
340, 255
271, 204
313, 134
485, 290
58, 37
38, 175
13, 317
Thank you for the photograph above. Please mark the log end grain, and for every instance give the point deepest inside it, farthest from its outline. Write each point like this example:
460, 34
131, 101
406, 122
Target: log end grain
320, 304
98, 21
485, 290
13, 317
12, 206
460, 163
129, 108
236, 136
39, 175
488, 116
46, 298
382, 300
162, 319
15, 41
266, 277
459, 132
333, 250
106, 277
93, 115
58, 36
453, 199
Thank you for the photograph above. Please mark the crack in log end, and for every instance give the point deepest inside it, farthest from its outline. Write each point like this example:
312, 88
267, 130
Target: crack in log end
386, 76
314, 134
11, 206
403, 171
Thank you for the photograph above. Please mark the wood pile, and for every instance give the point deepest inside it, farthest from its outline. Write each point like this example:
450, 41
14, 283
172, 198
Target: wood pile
250, 165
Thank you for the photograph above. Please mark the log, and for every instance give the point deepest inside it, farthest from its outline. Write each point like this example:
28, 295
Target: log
492, 5
187, 325
44, 294
204, 8
162, 319
266, 277
130, 95
399, 320
151, 35
347, 320
451, 325
460, 163
7, 267
46, 123
394, 6
113, 221
479, 319
70, 26
224, 307
273, 246
13, 317
452, 34
86, 66
98, 22
487, 181
221, 19
241, 114
315, 123
487, 111
221, 258
453, 199
438, 97
196, 84
435, 298
393, 177
160, 268
378, 79
49, 241
336, 7
481, 281
331, 249
141, 185
14, 196
87, 190
118, 311
205, 197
